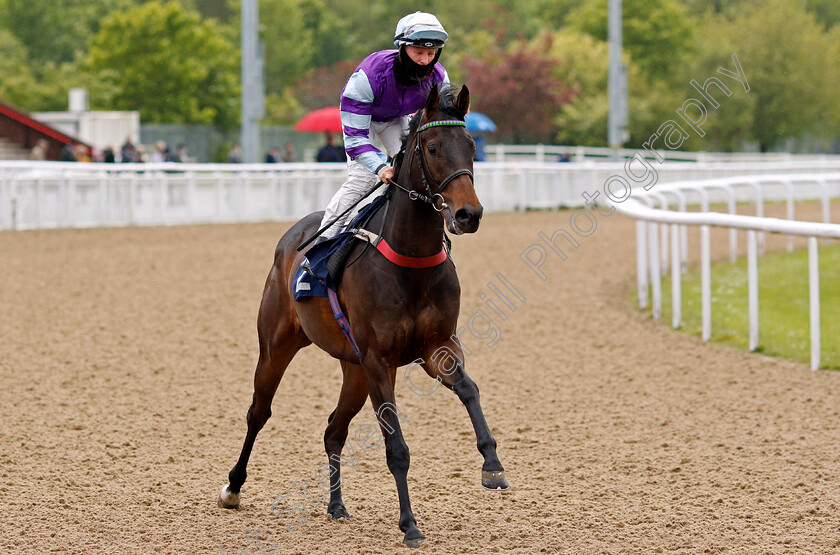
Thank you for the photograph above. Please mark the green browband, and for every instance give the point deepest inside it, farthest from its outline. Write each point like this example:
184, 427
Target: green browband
451, 123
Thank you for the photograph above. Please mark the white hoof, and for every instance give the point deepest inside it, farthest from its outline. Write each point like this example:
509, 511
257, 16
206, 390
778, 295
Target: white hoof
227, 499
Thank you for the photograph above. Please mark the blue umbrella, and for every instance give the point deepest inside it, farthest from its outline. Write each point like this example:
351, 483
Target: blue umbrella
479, 123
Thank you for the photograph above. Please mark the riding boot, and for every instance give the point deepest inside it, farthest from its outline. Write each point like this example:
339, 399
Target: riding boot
305, 264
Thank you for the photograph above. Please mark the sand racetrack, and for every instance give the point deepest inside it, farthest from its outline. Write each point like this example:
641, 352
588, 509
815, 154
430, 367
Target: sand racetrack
127, 361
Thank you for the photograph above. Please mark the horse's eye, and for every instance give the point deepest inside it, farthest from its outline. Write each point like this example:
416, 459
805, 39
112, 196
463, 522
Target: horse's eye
432, 148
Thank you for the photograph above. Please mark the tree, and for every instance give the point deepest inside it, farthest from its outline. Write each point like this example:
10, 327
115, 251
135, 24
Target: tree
727, 127
827, 11
785, 54
16, 79
656, 33
582, 65
167, 63
21, 86
322, 86
300, 35
55, 32
221, 10
554, 13
519, 91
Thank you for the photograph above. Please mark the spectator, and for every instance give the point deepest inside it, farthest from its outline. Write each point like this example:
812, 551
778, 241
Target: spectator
159, 153
183, 154
235, 155
140, 154
170, 155
108, 155
83, 154
39, 151
273, 156
127, 151
68, 152
289, 154
331, 153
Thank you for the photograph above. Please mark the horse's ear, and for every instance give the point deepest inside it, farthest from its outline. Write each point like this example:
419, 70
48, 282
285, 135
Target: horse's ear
432, 101
463, 101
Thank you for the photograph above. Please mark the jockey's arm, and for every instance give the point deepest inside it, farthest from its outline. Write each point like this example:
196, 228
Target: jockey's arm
356, 107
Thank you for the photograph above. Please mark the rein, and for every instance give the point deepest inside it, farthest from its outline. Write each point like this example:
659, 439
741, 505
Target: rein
432, 196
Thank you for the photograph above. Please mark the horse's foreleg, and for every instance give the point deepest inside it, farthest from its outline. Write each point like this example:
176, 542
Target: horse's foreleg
447, 365
350, 401
270, 369
380, 379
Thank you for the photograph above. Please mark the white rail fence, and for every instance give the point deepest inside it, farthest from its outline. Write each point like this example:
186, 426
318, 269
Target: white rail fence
657, 229
35, 195
577, 153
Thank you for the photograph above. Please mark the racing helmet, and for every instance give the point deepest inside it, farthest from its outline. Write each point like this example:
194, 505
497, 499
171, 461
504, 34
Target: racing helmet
420, 29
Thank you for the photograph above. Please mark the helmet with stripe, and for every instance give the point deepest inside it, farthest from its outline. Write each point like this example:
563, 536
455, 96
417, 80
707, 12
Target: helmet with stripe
420, 29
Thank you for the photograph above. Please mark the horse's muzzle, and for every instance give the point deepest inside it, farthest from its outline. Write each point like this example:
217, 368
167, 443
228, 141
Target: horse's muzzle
467, 218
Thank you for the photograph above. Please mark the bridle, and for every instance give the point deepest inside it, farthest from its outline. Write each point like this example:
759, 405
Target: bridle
432, 196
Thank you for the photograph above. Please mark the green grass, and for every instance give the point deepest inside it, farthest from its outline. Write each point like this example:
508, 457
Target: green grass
784, 328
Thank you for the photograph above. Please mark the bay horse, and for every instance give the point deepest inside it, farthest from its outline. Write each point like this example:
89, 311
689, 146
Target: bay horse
398, 314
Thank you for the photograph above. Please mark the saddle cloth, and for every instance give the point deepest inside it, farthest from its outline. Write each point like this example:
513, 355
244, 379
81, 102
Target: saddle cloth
326, 259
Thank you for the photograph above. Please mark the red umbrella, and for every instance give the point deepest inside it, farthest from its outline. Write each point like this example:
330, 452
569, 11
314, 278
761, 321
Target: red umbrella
325, 120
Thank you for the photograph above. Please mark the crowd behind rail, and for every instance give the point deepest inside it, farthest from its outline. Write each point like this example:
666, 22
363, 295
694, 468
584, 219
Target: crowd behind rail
161, 152
331, 150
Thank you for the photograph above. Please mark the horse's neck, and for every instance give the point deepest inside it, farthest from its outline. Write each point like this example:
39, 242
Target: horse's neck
413, 228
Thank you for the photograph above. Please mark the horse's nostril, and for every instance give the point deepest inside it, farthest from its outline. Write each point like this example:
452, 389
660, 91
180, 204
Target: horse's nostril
468, 217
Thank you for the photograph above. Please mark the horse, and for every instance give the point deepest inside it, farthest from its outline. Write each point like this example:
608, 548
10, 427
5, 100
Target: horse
399, 314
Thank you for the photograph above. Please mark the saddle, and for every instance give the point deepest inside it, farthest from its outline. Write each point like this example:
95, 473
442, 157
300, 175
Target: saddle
327, 260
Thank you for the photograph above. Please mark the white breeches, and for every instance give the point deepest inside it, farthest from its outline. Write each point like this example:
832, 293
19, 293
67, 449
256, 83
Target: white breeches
359, 180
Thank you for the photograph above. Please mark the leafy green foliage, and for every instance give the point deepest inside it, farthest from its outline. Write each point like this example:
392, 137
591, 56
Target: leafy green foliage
18, 79
785, 54
178, 60
519, 91
827, 11
322, 86
727, 126
22, 86
582, 66
53, 34
167, 63
656, 33
221, 10
300, 35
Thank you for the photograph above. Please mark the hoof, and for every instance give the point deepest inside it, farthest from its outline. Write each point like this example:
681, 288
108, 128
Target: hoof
228, 499
413, 538
494, 480
339, 512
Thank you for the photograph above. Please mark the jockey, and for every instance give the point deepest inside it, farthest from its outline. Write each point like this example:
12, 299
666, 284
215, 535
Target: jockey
384, 90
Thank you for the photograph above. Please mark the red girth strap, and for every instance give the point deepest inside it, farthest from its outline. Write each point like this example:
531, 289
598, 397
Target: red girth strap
409, 261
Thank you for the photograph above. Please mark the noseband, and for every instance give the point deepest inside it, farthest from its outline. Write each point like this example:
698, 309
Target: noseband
433, 196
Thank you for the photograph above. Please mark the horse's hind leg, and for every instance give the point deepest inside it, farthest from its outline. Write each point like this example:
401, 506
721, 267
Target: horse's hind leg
446, 364
350, 401
278, 345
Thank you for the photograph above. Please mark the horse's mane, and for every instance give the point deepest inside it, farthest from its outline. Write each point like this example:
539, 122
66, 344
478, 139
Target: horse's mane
448, 104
